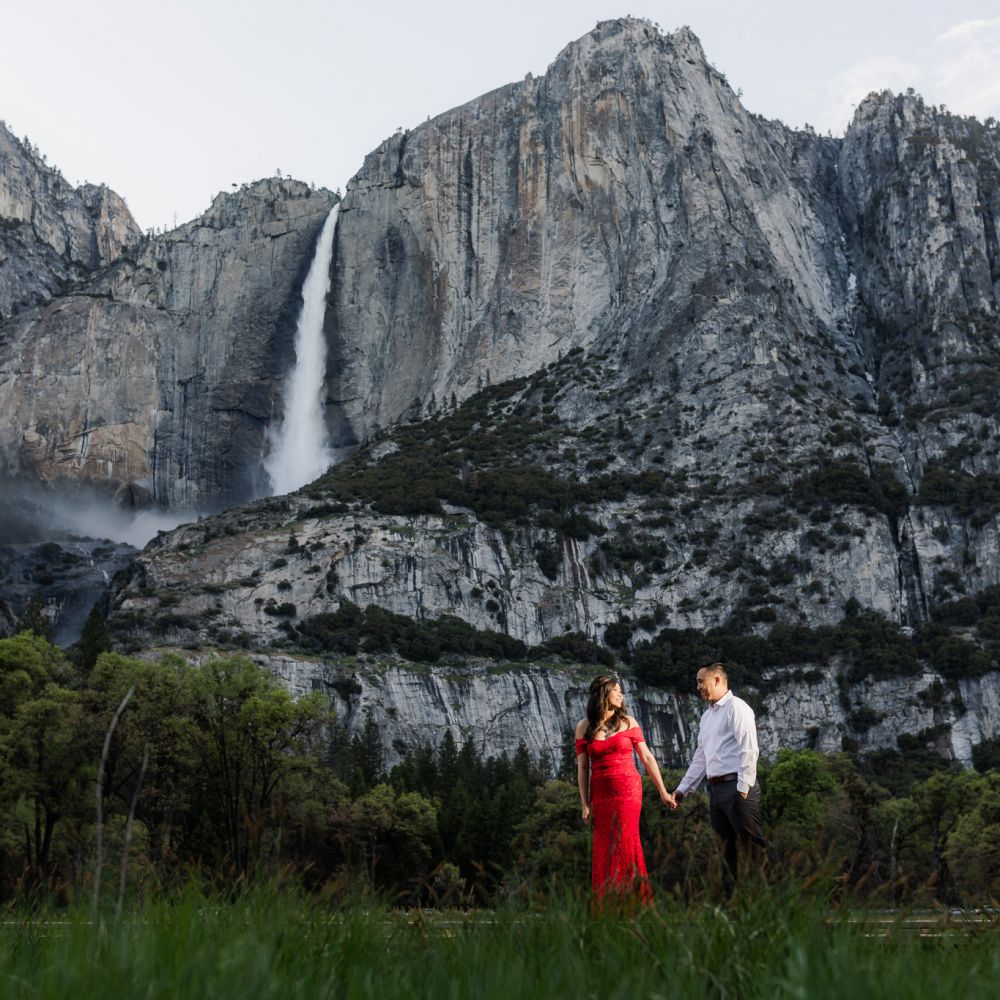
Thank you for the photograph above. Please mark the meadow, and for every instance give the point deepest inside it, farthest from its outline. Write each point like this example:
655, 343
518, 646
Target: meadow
218, 839
276, 941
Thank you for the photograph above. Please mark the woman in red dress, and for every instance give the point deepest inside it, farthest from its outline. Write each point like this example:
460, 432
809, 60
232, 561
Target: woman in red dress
611, 790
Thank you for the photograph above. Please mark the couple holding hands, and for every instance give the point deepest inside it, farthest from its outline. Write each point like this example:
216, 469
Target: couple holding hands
611, 789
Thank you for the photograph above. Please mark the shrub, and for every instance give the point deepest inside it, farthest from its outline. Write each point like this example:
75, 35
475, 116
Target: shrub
964, 611
976, 497
373, 629
577, 647
549, 559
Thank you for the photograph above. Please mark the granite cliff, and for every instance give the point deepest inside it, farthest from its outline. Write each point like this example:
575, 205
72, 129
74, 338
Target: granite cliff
52, 234
156, 374
624, 202
624, 364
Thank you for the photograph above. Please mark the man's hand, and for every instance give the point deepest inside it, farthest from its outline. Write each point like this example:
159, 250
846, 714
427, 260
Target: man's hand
743, 795
667, 799
586, 814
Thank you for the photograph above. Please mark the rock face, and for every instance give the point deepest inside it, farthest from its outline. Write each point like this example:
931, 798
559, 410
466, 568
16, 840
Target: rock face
621, 359
70, 576
626, 200
920, 196
158, 375
243, 576
495, 709
752, 302
228, 572
772, 293
52, 234
777, 283
539, 706
498, 706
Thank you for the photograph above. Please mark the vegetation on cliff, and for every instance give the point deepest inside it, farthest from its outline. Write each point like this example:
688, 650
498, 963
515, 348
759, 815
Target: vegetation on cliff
212, 766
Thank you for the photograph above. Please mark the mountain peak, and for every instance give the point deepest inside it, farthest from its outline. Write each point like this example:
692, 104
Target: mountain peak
639, 31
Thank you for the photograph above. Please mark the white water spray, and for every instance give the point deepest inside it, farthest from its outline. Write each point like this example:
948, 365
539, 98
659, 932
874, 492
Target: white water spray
299, 449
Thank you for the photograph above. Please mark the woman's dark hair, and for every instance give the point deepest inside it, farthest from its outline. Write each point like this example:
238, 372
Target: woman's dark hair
597, 705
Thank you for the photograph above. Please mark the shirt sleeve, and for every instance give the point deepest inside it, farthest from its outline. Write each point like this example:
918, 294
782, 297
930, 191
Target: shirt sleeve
745, 734
696, 770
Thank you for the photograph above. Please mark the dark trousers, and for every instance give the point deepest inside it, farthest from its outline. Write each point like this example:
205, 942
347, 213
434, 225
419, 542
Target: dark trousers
736, 821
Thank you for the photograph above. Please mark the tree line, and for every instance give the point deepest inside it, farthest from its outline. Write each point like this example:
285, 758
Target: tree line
213, 768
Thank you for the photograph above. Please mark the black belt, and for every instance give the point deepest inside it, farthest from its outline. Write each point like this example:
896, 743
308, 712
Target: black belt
721, 778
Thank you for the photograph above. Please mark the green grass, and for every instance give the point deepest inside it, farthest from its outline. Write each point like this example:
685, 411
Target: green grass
282, 943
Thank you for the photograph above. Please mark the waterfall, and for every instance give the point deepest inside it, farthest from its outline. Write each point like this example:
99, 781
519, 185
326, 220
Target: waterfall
298, 447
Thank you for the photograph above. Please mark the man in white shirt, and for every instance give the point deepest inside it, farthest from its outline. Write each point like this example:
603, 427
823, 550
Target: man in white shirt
727, 757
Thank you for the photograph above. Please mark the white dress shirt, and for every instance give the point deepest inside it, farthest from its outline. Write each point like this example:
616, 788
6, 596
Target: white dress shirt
727, 744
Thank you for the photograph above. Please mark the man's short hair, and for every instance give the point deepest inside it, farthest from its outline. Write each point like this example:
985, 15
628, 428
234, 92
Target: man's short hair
716, 668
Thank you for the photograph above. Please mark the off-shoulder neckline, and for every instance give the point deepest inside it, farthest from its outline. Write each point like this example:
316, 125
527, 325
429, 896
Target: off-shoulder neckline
621, 732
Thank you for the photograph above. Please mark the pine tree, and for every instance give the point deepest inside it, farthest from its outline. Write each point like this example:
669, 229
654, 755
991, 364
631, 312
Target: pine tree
34, 619
447, 764
366, 754
94, 639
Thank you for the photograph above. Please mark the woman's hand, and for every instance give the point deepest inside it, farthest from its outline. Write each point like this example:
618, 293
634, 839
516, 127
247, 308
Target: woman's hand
667, 799
586, 814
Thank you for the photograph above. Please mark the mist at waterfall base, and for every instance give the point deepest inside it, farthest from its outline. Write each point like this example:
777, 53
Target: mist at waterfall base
299, 447
64, 544
32, 512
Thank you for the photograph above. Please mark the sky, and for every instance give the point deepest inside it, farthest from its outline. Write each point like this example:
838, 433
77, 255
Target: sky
169, 103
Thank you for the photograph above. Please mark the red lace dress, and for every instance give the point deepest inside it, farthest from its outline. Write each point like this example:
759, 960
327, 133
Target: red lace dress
615, 802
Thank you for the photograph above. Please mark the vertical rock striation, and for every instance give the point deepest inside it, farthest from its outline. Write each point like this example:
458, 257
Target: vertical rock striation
624, 199
750, 379
52, 234
158, 375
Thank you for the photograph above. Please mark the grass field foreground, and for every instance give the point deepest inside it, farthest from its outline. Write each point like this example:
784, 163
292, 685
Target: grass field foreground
280, 943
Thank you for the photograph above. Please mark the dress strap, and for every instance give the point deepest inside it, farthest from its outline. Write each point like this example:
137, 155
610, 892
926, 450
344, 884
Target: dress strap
635, 735
581, 747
